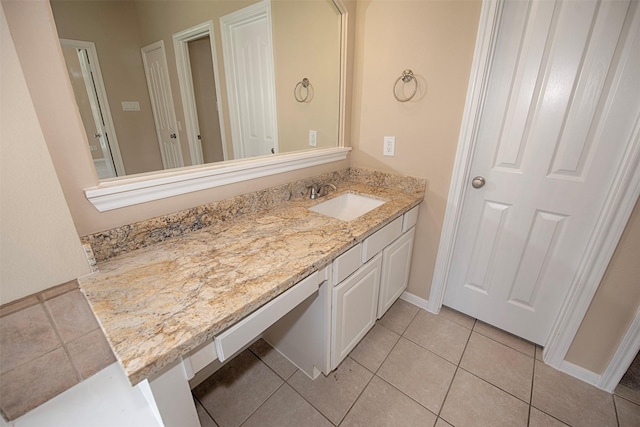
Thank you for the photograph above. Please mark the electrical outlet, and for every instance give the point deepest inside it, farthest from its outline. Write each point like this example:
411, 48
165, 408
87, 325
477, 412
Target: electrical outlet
313, 138
389, 146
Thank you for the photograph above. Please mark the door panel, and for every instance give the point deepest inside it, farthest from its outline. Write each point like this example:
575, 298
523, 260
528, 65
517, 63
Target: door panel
549, 142
156, 71
249, 68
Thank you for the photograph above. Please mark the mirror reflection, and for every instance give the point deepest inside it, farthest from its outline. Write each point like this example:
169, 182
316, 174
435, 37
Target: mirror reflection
166, 84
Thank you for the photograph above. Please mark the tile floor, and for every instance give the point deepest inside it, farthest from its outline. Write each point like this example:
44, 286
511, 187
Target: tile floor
412, 369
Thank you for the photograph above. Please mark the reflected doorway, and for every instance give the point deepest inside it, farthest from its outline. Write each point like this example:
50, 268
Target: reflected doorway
81, 60
198, 76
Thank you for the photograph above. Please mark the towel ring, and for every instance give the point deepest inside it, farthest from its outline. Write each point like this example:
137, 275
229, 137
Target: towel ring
406, 77
297, 91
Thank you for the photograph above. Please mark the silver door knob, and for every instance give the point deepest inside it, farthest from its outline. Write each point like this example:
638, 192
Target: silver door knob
477, 182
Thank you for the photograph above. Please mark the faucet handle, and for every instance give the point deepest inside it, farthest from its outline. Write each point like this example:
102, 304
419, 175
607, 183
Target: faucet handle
314, 191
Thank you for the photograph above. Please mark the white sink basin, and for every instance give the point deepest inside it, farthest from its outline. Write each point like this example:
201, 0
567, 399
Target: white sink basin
347, 206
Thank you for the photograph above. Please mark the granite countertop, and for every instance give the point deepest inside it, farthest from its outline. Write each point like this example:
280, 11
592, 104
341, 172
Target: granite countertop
157, 303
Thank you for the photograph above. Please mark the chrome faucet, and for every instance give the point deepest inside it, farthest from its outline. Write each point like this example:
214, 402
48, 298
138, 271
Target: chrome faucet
317, 190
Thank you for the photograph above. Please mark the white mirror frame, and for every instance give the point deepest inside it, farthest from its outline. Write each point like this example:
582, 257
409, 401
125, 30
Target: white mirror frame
135, 189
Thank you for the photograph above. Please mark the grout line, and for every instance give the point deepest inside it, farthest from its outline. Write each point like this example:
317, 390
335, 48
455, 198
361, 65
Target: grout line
533, 376
263, 403
454, 374
45, 307
615, 410
203, 407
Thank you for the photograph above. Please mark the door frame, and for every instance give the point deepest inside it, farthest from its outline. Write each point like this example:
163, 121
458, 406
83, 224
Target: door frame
254, 12
101, 94
613, 218
183, 63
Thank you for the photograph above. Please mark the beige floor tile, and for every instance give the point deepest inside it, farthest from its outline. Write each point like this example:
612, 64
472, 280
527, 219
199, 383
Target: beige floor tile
33, 383
381, 405
203, 416
537, 418
71, 315
474, 402
571, 400
235, 391
333, 395
442, 423
628, 412
90, 353
398, 317
374, 347
24, 336
441, 336
505, 338
418, 373
273, 359
457, 317
502, 366
286, 408
628, 393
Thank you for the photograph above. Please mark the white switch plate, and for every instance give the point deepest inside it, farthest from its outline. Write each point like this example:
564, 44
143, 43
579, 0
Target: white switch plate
389, 146
130, 106
313, 138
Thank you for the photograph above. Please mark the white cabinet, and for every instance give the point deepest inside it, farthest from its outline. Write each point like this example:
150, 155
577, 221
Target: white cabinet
396, 262
354, 309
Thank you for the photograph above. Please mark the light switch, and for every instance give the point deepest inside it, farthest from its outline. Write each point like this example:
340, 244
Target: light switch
130, 106
389, 146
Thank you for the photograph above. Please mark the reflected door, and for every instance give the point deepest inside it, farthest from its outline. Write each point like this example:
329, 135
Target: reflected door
249, 69
562, 100
164, 116
86, 80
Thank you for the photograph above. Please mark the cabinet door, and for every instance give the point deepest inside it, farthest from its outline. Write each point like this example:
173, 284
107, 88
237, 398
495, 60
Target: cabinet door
396, 262
355, 303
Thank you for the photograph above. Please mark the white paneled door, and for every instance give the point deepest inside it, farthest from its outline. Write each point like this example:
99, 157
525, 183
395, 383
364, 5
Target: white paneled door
249, 67
164, 115
560, 107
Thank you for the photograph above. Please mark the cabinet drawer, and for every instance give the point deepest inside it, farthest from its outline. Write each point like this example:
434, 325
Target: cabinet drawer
347, 263
381, 238
240, 334
409, 219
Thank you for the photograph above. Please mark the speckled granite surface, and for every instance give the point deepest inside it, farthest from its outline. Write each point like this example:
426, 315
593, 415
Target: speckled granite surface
158, 302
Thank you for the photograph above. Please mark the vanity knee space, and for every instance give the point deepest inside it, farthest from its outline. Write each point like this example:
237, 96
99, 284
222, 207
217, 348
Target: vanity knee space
367, 280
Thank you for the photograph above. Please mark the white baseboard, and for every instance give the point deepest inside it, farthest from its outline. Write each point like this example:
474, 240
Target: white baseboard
415, 300
580, 373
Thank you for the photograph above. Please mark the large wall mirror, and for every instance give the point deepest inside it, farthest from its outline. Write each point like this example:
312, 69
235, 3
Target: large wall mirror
170, 84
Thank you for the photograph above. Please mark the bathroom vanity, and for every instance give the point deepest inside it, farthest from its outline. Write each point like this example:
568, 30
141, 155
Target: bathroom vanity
308, 283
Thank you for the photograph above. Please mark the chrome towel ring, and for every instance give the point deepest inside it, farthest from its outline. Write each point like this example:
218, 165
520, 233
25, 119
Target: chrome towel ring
406, 77
298, 90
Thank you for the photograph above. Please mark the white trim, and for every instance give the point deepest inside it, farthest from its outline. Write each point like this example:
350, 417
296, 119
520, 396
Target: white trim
485, 44
183, 64
344, 26
623, 357
615, 214
579, 373
133, 190
415, 300
101, 92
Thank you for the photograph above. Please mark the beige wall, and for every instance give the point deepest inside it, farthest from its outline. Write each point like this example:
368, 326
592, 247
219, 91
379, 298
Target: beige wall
436, 40
614, 304
300, 32
38, 243
112, 26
